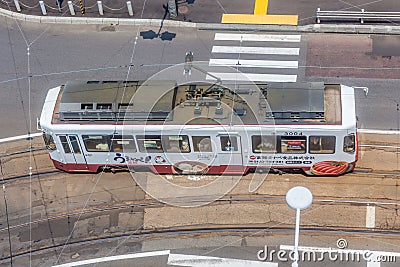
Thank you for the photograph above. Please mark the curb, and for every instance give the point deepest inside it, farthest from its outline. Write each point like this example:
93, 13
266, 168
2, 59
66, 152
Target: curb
314, 28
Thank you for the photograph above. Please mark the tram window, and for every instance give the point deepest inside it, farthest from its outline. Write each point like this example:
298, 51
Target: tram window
229, 143
176, 143
349, 144
49, 141
149, 143
124, 143
202, 143
322, 144
125, 105
104, 106
293, 144
87, 106
96, 143
64, 144
74, 144
264, 143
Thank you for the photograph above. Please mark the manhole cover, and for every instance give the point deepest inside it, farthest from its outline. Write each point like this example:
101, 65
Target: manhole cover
183, 9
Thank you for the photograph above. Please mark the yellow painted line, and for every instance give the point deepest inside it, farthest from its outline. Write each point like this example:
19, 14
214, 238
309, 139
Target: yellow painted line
261, 7
260, 19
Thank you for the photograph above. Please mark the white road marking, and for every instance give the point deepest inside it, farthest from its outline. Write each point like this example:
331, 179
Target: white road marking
257, 37
114, 258
370, 131
370, 217
373, 263
256, 50
19, 137
245, 63
253, 77
193, 260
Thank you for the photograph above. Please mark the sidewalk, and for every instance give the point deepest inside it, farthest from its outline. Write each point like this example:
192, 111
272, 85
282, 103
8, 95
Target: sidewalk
188, 10
202, 15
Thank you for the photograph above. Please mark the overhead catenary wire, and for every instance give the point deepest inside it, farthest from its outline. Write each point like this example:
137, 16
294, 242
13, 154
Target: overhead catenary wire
7, 215
31, 76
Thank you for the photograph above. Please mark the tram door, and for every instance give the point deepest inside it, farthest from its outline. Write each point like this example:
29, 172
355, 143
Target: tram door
230, 153
72, 149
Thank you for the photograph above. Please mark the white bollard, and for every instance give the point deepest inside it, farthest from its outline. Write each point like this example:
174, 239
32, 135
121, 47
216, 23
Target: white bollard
71, 8
318, 20
362, 16
43, 8
17, 5
100, 8
130, 10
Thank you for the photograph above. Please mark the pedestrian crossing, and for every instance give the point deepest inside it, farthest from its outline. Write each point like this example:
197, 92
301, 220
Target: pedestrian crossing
255, 57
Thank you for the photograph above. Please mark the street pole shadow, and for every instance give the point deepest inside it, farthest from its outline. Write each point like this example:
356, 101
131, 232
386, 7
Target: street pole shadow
165, 36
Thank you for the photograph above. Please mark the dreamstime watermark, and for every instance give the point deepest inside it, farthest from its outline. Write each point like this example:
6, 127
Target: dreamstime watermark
322, 254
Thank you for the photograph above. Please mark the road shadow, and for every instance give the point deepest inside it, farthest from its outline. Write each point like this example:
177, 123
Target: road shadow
165, 36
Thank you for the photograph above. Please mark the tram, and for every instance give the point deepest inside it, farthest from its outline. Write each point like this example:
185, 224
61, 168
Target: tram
198, 128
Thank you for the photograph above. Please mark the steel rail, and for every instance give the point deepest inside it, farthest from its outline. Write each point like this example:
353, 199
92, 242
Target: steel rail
27, 176
148, 203
22, 151
206, 231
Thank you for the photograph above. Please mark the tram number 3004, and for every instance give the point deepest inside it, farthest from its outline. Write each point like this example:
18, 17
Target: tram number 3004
293, 133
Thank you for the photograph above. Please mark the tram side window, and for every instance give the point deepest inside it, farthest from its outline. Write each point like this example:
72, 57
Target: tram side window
202, 143
74, 144
49, 141
263, 143
96, 143
293, 144
125, 143
349, 144
149, 143
322, 144
176, 143
64, 144
229, 143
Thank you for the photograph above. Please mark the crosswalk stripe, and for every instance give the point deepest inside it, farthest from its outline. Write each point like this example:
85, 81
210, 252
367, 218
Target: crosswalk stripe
257, 37
245, 63
253, 77
256, 50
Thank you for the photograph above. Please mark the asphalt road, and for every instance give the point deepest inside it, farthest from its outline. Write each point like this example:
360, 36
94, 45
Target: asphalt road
58, 53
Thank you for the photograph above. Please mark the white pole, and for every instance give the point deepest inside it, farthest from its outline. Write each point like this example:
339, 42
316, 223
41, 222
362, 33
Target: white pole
296, 239
100, 8
71, 8
43, 8
318, 20
17, 5
298, 198
130, 10
362, 16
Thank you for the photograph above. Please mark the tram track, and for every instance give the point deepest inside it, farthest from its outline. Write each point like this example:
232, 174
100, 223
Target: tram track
230, 199
199, 232
27, 176
4, 157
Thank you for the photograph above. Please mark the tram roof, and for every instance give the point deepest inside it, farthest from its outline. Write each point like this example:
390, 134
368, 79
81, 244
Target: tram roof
164, 102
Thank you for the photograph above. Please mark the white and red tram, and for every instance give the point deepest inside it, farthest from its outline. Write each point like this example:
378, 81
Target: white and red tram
192, 129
